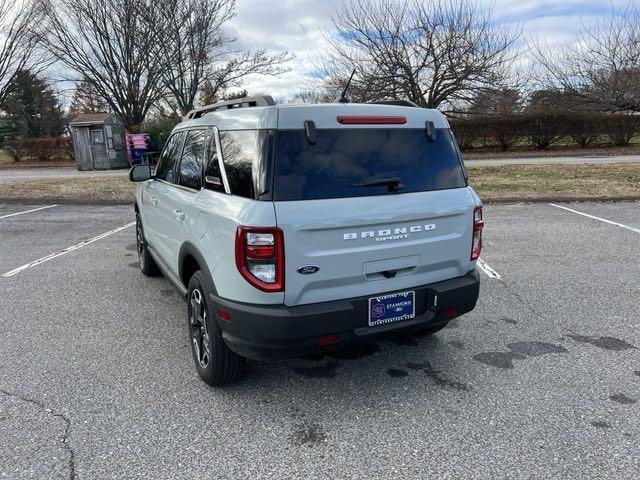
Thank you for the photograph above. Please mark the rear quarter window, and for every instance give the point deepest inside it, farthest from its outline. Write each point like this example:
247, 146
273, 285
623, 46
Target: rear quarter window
246, 155
343, 159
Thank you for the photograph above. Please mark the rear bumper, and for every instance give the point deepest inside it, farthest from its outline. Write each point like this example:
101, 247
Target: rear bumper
275, 331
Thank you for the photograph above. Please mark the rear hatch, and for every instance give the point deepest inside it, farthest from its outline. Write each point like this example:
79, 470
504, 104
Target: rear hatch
369, 208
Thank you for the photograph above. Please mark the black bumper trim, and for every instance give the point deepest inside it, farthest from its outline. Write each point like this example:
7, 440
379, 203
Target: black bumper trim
275, 331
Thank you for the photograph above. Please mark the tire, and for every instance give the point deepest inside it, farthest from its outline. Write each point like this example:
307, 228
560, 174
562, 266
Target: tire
145, 260
217, 365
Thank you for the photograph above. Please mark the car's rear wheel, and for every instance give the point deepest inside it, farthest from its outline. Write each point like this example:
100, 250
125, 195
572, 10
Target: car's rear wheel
217, 365
145, 260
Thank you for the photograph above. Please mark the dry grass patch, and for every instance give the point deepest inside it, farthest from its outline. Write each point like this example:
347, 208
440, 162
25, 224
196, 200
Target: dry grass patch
552, 151
540, 181
6, 162
95, 188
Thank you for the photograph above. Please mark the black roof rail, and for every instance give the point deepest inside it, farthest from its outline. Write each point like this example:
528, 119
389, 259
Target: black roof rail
398, 103
246, 102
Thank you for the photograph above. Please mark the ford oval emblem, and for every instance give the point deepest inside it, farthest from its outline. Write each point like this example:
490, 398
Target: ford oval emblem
308, 269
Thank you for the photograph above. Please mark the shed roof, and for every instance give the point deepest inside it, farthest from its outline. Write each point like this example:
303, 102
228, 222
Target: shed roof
90, 119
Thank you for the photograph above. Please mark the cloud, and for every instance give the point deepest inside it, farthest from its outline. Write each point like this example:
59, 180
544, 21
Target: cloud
297, 26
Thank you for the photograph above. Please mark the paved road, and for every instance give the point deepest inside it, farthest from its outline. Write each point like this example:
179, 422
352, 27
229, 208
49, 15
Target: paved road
16, 175
542, 380
564, 160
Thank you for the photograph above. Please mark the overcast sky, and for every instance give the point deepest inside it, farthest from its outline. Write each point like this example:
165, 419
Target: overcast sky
297, 26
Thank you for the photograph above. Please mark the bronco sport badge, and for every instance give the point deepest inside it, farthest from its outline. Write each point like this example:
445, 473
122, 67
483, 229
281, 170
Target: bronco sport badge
388, 233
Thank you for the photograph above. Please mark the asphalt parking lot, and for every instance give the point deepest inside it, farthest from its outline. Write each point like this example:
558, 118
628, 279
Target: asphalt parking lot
542, 380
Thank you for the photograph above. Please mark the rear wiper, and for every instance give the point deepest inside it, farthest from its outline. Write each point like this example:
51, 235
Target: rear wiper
394, 183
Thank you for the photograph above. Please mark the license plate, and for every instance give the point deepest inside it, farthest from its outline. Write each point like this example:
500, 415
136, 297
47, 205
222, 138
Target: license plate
391, 308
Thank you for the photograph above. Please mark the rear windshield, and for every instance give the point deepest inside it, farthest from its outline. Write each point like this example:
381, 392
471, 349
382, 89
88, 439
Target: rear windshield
360, 162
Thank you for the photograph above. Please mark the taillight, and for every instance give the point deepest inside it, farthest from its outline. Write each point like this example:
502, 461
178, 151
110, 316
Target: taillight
478, 225
370, 120
260, 257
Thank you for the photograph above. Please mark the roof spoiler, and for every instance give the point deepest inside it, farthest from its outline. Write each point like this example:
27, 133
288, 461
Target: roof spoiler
246, 102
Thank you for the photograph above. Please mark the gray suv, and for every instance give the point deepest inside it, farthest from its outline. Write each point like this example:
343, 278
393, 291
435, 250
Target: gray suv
293, 229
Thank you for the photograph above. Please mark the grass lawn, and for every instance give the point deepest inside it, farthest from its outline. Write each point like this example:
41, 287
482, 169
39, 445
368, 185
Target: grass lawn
491, 183
99, 188
541, 181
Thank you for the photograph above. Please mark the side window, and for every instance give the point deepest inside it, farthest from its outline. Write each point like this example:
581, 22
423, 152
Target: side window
167, 163
239, 148
193, 157
212, 173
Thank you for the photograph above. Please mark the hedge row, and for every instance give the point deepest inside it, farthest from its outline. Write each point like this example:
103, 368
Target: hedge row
42, 148
543, 129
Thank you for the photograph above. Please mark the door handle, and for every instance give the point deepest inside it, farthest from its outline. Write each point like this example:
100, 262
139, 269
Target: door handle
179, 215
154, 201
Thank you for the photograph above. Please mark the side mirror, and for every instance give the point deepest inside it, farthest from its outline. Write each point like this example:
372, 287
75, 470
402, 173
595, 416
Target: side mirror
140, 173
213, 183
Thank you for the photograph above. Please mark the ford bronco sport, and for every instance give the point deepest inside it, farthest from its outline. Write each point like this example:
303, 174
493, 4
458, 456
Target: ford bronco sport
292, 229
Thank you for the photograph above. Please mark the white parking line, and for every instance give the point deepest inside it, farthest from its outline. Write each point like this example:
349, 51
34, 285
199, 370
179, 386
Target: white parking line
621, 225
488, 271
28, 211
65, 251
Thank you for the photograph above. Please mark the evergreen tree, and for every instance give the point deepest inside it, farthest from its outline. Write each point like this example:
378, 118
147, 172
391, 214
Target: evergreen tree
209, 95
86, 99
234, 95
33, 106
496, 101
8, 130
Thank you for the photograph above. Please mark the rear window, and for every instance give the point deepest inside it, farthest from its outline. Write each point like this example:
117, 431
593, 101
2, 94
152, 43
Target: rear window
354, 162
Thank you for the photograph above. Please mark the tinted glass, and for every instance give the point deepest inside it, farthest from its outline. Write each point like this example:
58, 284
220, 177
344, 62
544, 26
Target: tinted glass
212, 169
245, 154
343, 161
193, 157
167, 163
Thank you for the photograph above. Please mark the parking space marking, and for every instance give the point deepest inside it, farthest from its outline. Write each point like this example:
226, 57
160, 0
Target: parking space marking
488, 271
28, 211
65, 251
621, 225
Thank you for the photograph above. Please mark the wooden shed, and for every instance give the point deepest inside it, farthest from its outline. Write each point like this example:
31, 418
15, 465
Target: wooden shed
98, 141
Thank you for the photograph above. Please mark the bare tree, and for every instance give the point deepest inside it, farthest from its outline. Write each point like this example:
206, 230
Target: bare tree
115, 45
198, 51
603, 67
312, 96
546, 101
17, 40
432, 53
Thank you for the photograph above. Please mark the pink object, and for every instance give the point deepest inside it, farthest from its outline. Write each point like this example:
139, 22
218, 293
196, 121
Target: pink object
137, 143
